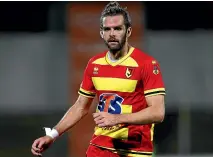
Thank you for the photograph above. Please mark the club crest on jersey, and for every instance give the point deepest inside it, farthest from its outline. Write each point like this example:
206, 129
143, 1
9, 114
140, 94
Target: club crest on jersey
155, 70
95, 70
129, 72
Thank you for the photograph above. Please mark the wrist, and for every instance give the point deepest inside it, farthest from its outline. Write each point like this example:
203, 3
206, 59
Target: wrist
53, 133
121, 119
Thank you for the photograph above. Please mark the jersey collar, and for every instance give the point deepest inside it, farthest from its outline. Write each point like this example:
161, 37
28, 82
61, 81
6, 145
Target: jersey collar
120, 60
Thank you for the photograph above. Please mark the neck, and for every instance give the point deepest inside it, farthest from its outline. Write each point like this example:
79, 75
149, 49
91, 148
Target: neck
121, 53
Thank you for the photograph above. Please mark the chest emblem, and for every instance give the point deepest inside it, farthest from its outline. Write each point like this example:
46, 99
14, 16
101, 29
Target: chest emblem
129, 72
155, 67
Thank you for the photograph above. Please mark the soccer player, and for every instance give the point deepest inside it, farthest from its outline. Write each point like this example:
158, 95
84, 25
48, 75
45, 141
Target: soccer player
130, 89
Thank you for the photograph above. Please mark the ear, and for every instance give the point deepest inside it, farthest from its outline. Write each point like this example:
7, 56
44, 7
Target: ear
101, 34
129, 31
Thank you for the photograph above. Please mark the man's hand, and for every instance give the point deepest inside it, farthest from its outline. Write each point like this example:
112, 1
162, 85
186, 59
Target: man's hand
41, 144
104, 119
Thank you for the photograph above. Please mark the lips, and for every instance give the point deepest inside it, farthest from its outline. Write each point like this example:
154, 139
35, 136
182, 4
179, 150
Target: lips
112, 41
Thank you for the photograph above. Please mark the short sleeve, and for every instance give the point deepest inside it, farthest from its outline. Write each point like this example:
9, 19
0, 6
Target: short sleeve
152, 79
87, 88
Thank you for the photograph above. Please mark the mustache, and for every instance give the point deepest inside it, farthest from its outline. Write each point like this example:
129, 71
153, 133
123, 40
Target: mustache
112, 40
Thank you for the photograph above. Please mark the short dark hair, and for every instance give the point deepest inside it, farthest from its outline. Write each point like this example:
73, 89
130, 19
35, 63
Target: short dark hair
112, 9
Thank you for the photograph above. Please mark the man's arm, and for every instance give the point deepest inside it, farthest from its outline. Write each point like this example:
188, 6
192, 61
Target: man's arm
154, 113
74, 114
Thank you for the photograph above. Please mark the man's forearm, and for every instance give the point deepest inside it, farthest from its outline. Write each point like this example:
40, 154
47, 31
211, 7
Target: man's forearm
146, 116
73, 115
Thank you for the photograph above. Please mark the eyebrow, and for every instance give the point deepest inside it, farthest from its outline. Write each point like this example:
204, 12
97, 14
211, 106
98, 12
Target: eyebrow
113, 27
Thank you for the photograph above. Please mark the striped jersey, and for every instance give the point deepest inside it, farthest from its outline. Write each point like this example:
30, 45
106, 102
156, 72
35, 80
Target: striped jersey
121, 87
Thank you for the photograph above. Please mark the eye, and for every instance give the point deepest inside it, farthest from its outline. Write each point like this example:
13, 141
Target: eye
106, 29
118, 28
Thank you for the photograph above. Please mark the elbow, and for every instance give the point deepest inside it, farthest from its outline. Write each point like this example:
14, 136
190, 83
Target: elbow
83, 111
81, 107
160, 117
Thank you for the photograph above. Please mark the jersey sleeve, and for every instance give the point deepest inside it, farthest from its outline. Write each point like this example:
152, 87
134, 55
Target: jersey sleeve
152, 79
87, 88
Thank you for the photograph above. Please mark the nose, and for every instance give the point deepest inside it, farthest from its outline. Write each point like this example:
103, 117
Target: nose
112, 32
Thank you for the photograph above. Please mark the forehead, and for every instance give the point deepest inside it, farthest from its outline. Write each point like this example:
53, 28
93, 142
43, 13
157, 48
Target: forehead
112, 21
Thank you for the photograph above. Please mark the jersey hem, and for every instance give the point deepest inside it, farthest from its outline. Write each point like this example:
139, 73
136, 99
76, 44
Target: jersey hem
125, 151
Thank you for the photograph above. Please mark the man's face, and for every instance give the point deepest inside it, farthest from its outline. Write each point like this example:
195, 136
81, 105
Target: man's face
114, 32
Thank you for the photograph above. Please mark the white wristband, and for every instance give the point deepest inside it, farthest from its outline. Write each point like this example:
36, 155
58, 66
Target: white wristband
51, 132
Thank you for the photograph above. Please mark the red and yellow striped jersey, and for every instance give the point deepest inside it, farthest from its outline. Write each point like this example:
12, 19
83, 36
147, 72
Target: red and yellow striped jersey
121, 87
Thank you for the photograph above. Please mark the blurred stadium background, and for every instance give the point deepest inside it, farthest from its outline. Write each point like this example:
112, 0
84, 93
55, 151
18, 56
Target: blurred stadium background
45, 46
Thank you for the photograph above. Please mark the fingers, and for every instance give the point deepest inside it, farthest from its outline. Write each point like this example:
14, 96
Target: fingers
100, 114
36, 153
98, 122
102, 124
104, 119
95, 115
98, 118
35, 145
41, 143
35, 150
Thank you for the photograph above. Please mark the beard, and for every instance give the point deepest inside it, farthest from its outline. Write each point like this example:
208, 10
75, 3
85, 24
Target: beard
114, 48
